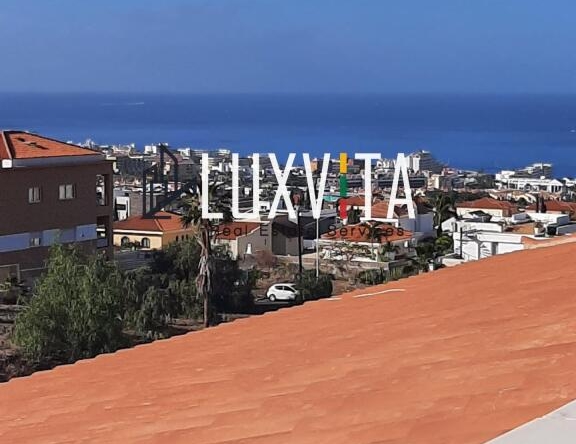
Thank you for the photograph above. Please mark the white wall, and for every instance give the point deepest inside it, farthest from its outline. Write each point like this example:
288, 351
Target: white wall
560, 219
487, 244
462, 211
565, 229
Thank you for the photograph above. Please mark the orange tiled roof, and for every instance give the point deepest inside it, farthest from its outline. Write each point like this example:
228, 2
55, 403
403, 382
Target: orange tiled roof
460, 356
524, 228
22, 145
380, 210
361, 233
488, 203
557, 206
234, 230
354, 201
161, 221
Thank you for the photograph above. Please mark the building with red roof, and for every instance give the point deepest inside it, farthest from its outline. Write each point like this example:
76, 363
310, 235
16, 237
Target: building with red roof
557, 207
152, 232
50, 191
366, 241
494, 207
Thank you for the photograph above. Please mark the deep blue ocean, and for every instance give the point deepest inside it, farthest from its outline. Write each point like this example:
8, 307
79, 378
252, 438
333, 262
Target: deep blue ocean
466, 131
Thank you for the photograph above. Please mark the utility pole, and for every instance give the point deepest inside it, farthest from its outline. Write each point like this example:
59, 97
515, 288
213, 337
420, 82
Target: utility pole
300, 268
317, 248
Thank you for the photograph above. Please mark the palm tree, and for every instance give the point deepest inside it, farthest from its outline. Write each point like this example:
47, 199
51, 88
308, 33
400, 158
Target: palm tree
192, 216
443, 210
375, 232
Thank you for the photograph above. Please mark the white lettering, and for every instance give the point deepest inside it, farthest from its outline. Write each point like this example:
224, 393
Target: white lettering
282, 191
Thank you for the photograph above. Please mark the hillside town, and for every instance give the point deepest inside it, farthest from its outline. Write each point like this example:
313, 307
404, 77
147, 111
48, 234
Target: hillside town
115, 200
303, 222
476, 214
139, 212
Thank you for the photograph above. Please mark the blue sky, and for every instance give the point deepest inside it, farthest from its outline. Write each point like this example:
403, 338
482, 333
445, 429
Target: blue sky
291, 46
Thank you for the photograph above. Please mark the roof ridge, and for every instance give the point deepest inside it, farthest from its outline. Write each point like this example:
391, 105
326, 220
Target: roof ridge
7, 144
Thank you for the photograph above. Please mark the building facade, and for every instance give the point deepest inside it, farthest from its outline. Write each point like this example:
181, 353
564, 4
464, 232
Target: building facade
50, 192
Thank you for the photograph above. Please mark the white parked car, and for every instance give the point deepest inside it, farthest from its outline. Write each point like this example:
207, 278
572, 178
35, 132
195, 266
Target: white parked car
282, 292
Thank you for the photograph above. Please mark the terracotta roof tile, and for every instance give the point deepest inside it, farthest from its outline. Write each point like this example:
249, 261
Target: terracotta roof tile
22, 145
354, 201
524, 228
557, 206
380, 210
161, 221
488, 203
460, 356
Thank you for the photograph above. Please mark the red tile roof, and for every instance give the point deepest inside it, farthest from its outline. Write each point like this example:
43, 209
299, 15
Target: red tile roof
22, 145
380, 210
354, 201
234, 230
361, 233
460, 356
489, 204
161, 221
557, 206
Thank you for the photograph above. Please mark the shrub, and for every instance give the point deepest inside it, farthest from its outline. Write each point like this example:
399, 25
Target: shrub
76, 311
372, 277
265, 259
312, 288
232, 287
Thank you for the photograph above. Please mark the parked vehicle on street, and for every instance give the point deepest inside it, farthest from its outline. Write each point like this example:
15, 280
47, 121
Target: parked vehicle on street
283, 292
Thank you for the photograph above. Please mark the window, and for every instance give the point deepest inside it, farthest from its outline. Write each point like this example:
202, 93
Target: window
125, 241
67, 191
34, 195
145, 242
35, 241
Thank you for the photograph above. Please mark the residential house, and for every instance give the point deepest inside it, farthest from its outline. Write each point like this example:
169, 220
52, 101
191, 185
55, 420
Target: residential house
480, 238
51, 192
422, 226
496, 208
360, 242
556, 207
285, 235
152, 232
243, 238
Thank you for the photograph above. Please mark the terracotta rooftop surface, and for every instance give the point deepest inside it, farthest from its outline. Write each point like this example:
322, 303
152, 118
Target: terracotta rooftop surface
556, 206
380, 209
488, 203
354, 201
161, 221
460, 356
524, 228
23, 145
